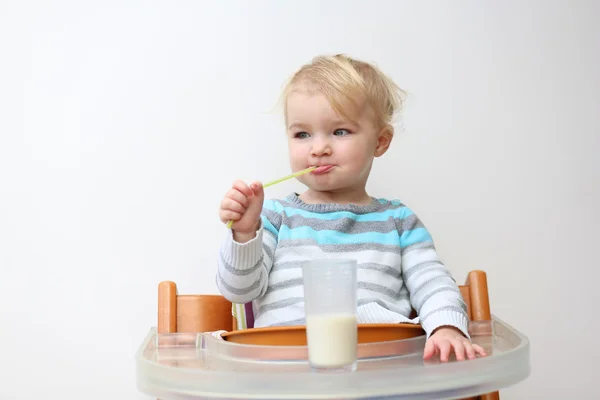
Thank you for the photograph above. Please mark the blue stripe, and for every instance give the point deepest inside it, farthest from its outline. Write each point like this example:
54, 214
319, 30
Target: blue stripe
269, 226
414, 236
273, 206
329, 237
335, 215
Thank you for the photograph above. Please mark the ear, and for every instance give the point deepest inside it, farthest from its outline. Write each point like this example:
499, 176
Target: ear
384, 139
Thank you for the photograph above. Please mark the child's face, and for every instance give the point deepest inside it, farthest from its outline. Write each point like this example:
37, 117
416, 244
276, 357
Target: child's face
317, 135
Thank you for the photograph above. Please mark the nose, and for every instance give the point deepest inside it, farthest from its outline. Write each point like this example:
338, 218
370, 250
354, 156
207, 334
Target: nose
320, 147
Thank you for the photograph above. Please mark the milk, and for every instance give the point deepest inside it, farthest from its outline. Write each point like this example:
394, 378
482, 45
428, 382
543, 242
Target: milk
332, 339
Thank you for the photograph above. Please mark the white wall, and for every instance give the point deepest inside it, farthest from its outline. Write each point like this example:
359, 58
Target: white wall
123, 123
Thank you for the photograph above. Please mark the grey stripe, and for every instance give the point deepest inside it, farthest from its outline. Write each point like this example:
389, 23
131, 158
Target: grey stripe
404, 292
279, 304
446, 308
423, 267
300, 321
340, 248
273, 217
385, 269
408, 223
373, 207
420, 304
287, 265
361, 285
416, 291
284, 285
269, 251
418, 246
403, 297
350, 226
240, 272
377, 288
238, 291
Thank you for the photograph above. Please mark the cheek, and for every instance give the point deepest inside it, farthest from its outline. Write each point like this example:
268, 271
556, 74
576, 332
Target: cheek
356, 154
296, 152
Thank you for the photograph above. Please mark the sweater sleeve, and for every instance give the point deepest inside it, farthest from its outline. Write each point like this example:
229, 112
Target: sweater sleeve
434, 293
243, 268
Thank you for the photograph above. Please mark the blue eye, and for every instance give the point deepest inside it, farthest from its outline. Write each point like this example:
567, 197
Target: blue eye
341, 132
301, 135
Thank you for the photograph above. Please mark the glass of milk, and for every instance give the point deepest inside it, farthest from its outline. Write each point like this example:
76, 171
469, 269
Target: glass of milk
330, 308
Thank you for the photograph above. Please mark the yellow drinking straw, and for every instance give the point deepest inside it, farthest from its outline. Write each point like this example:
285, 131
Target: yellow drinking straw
285, 178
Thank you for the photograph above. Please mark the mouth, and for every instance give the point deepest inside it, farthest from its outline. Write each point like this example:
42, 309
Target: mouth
322, 169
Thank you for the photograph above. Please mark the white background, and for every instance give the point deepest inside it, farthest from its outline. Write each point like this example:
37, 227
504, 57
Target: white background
122, 123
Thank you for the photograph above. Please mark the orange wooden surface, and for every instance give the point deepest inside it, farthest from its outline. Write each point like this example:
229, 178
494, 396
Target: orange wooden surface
296, 335
203, 313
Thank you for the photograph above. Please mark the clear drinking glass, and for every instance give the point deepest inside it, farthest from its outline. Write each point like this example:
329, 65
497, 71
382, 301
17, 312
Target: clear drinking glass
330, 308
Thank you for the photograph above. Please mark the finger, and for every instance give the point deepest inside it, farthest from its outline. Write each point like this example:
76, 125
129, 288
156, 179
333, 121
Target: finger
459, 350
237, 196
242, 187
227, 216
479, 350
444, 347
469, 350
429, 350
231, 205
257, 188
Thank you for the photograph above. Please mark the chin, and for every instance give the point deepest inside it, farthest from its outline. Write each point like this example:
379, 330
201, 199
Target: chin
324, 187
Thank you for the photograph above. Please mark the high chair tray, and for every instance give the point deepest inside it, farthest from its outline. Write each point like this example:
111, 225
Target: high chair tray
185, 366
296, 335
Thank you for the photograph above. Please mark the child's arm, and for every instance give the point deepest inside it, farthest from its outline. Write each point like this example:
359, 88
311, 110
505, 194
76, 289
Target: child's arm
434, 294
243, 268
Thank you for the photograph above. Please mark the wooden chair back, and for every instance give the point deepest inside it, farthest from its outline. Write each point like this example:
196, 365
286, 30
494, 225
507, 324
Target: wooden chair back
191, 312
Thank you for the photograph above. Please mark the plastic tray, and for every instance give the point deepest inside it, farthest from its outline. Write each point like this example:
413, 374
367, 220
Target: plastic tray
180, 366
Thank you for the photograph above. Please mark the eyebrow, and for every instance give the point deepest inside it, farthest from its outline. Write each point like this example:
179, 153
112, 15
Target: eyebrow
343, 122
336, 122
297, 125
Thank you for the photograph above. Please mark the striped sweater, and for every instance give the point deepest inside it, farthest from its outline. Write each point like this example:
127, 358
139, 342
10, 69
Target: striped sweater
398, 267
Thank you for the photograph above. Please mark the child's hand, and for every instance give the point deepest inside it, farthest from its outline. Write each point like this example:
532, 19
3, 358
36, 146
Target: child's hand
444, 339
243, 204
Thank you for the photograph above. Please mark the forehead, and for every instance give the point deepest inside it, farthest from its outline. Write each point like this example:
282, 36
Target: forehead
307, 104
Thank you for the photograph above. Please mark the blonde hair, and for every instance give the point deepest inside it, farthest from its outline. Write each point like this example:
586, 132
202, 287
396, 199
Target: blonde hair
350, 85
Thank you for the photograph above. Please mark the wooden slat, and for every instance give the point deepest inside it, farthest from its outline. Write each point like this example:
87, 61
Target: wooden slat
203, 313
167, 307
478, 292
491, 396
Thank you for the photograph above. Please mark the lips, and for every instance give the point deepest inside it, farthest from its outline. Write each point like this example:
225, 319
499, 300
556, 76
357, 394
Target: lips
322, 169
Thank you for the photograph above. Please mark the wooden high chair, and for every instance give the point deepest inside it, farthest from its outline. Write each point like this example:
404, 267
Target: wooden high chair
207, 313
